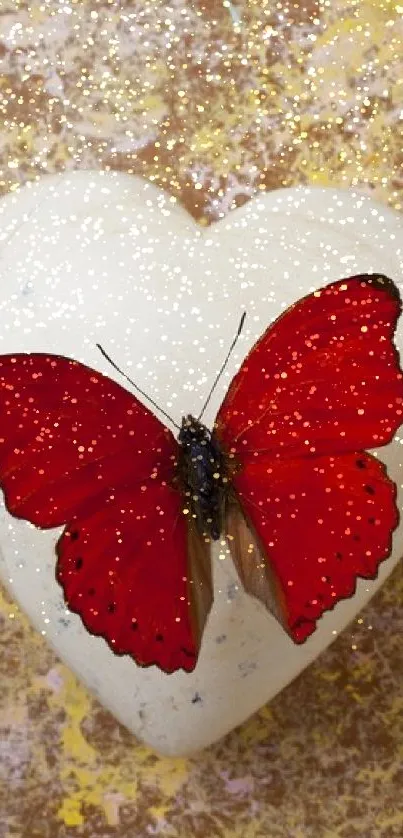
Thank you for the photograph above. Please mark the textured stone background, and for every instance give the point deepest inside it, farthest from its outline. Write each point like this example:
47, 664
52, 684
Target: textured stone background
212, 101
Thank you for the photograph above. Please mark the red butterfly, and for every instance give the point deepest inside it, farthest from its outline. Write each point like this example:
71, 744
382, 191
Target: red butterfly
283, 477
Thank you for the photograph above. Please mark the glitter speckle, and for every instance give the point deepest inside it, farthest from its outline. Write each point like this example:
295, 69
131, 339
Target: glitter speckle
266, 97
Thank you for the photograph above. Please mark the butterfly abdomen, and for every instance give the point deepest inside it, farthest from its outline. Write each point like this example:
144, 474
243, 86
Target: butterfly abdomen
202, 477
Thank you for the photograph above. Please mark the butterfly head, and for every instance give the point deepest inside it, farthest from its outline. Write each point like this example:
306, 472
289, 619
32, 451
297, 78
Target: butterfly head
192, 432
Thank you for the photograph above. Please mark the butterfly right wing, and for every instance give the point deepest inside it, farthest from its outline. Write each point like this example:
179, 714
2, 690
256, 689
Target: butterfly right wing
323, 383
324, 378
77, 449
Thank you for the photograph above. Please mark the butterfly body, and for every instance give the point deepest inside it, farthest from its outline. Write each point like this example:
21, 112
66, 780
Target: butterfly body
203, 476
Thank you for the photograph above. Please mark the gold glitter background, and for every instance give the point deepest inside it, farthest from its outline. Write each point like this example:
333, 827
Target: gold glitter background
213, 101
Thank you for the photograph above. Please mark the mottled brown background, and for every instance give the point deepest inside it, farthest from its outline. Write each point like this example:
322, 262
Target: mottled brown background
212, 101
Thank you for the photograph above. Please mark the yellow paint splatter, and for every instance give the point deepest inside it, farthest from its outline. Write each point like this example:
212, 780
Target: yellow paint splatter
89, 782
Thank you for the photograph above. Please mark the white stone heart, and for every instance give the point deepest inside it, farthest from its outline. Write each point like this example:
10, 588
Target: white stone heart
89, 257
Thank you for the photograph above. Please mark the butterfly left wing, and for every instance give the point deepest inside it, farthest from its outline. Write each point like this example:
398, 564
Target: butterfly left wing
322, 384
76, 449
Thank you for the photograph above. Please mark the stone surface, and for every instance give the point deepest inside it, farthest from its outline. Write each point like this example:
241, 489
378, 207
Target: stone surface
93, 257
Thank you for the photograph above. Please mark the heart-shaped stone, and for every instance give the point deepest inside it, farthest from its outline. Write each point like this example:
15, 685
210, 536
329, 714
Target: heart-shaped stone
93, 257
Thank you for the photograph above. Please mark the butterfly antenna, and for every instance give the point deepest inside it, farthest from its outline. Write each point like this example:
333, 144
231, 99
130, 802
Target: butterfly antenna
219, 374
164, 413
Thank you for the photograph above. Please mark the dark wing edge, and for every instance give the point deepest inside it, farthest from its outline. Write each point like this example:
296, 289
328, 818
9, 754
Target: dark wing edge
200, 581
